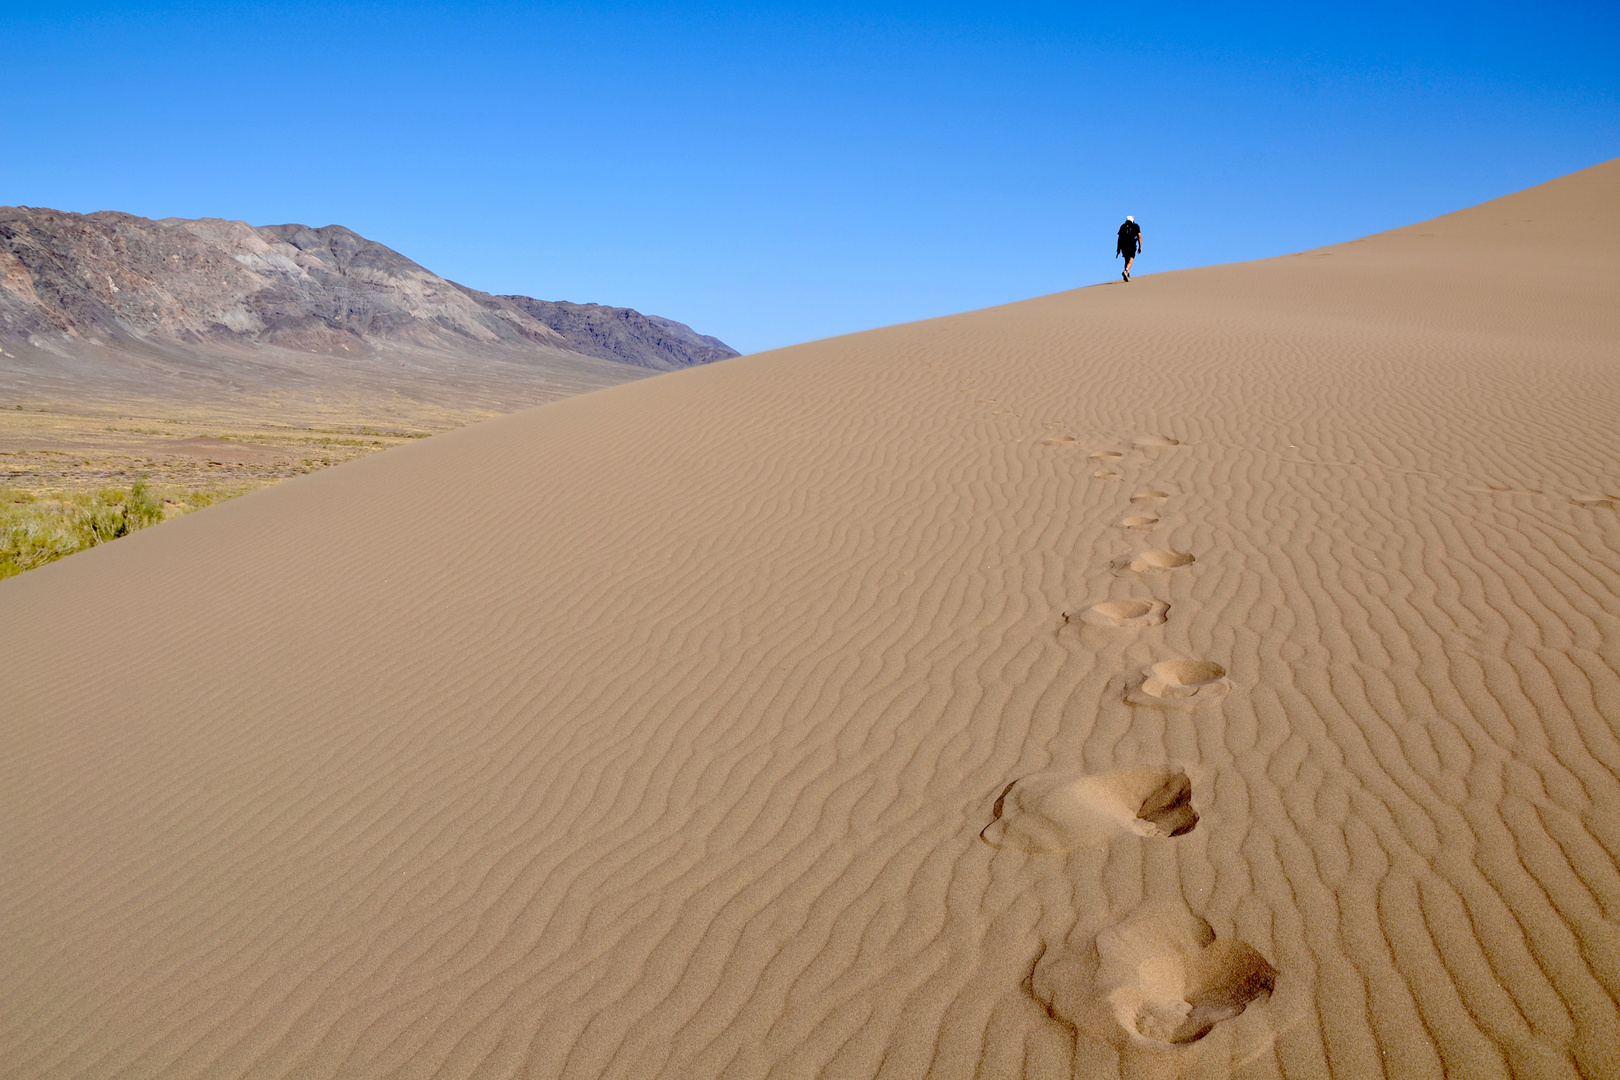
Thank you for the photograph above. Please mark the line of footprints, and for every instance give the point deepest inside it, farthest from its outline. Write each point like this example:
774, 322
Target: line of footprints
1162, 978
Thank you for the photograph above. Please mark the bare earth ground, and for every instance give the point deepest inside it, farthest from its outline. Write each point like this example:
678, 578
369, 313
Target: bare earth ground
52, 446
1216, 675
82, 423
77, 413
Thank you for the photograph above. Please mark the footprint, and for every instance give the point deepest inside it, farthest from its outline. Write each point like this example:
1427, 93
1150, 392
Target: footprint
1108, 474
1149, 442
1150, 497
1126, 614
1178, 684
1139, 521
1055, 812
1060, 440
1170, 980
1107, 457
1153, 562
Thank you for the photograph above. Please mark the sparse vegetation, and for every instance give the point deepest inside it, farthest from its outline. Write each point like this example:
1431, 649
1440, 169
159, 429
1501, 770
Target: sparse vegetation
37, 528
74, 475
327, 440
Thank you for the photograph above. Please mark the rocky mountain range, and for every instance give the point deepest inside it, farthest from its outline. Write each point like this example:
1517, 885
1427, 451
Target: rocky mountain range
114, 295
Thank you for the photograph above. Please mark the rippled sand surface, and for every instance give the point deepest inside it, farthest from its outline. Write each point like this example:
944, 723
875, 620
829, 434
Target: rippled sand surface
652, 733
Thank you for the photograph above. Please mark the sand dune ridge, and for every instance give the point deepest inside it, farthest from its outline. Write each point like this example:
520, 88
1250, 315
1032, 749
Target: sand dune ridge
651, 732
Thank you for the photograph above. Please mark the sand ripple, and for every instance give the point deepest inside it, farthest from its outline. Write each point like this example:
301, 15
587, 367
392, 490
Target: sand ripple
650, 733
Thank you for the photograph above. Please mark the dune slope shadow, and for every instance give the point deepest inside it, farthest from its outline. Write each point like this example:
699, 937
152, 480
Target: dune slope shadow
1060, 811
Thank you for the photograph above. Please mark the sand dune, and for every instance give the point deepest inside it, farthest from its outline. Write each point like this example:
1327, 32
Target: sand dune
652, 732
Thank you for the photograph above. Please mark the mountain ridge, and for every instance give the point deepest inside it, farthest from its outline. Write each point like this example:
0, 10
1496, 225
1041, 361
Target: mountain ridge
209, 286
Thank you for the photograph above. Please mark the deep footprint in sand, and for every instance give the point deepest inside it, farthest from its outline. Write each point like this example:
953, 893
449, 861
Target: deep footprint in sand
1169, 980
1153, 562
1124, 614
1060, 440
1150, 497
1178, 684
1107, 457
1139, 521
1055, 812
1154, 442
1108, 474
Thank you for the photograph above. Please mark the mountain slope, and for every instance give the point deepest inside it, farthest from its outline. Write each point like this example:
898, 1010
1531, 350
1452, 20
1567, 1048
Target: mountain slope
622, 334
209, 287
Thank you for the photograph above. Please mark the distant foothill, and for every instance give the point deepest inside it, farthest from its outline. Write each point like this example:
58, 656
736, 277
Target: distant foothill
188, 288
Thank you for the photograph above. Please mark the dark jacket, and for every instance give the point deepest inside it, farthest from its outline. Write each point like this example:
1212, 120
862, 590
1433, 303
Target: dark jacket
1130, 239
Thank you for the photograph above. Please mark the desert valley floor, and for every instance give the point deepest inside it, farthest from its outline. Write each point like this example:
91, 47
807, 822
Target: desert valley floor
1212, 675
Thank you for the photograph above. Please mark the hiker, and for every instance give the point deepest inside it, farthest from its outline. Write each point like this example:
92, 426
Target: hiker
1130, 243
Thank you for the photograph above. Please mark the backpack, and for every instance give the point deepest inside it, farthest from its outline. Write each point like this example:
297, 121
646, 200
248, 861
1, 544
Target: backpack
1128, 233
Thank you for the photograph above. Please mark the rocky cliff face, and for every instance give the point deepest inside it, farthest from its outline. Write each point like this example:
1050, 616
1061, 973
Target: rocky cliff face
623, 334
205, 289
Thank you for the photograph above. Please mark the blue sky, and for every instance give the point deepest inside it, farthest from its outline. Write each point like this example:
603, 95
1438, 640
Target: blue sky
778, 173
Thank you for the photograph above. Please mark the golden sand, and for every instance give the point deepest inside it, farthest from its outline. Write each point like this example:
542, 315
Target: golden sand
652, 733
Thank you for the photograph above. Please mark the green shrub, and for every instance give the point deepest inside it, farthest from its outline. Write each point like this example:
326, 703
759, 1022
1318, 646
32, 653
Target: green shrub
198, 498
140, 508
27, 541
111, 513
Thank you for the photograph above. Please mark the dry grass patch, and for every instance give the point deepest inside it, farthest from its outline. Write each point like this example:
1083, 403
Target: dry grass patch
77, 474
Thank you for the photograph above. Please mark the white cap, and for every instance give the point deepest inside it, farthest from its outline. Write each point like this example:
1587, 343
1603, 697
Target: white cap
1129, 218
